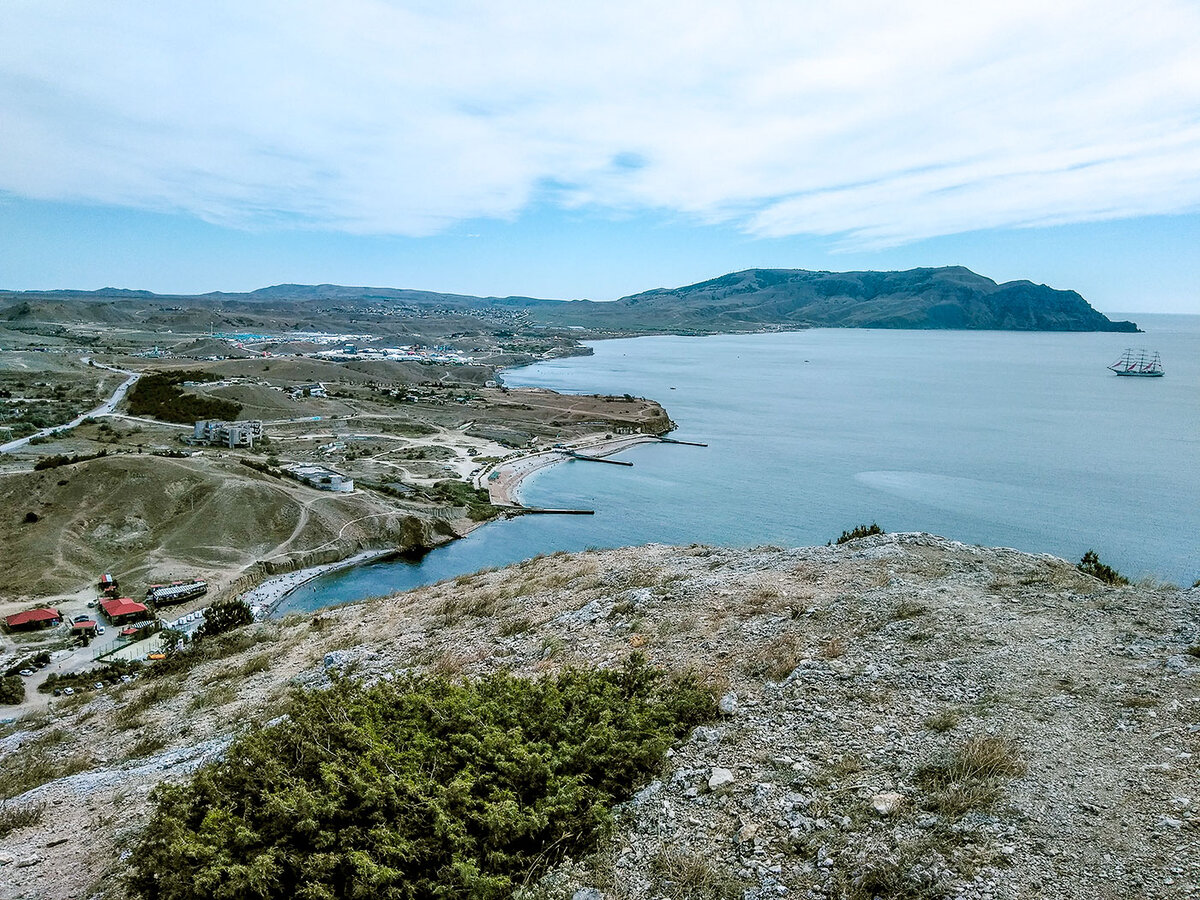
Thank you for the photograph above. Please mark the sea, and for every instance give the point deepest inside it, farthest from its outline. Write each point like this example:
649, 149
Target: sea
996, 438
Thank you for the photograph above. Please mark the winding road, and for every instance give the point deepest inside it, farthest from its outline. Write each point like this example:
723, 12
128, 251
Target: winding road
102, 410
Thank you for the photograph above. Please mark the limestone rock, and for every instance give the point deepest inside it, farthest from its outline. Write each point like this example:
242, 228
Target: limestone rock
721, 781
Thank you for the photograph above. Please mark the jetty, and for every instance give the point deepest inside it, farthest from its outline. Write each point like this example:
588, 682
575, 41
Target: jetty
575, 454
667, 440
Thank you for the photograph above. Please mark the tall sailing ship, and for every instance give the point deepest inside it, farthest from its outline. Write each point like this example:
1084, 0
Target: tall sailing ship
1138, 362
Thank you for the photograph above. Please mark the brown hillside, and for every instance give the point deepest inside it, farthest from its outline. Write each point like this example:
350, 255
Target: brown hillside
141, 516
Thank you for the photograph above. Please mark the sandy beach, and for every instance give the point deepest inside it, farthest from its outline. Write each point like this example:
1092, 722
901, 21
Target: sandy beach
504, 490
263, 598
503, 482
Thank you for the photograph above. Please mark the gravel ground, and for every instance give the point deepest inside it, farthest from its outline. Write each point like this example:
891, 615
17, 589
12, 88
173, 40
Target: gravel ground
903, 716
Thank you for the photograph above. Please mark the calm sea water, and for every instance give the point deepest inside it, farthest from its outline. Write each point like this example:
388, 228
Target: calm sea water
996, 438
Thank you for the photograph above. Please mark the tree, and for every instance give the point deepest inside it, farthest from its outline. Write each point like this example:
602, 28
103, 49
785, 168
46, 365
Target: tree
224, 617
171, 639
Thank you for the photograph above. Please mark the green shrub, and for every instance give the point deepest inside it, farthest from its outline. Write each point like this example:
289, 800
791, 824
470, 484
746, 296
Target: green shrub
413, 789
1091, 565
160, 396
858, 532
12, 690
224, 617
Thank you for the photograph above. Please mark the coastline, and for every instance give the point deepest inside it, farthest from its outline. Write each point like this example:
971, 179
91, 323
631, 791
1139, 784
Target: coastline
503, 481
266, 595
504, 492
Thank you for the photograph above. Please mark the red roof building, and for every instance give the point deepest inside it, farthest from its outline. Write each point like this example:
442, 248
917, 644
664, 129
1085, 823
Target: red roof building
123, 609
85, 625
42, 617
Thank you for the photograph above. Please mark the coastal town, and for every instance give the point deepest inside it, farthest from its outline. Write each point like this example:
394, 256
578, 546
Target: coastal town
325, 448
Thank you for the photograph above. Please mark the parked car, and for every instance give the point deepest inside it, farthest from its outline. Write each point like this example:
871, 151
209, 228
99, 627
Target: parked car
26, 672
99, 629
68, 691
83, 618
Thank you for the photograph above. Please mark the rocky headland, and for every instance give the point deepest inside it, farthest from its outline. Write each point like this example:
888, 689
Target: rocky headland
901, 716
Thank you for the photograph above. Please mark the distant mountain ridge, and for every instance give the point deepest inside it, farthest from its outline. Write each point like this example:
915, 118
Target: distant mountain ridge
929, 298
949, 297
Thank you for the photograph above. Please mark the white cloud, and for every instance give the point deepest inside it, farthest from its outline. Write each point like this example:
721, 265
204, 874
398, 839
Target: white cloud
878, 123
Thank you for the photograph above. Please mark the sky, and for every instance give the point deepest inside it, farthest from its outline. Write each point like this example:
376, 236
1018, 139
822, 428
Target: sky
596, 150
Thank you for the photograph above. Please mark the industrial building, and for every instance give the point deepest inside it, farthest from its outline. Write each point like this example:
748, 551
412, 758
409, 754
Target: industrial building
321, 478
226, 434
176, 591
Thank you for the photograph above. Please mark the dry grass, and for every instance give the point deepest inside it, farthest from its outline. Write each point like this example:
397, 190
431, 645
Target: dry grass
38, 762
1139, 701
683, 875
944, 720
775, 659
834, 647
894, 872
969, 777
151, 741
14, 817
214, 697
909, 609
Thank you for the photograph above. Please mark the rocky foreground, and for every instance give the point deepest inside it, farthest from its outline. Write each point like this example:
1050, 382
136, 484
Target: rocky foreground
902, 716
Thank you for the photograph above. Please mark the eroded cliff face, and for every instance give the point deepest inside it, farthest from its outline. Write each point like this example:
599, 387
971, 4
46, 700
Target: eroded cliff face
903, 715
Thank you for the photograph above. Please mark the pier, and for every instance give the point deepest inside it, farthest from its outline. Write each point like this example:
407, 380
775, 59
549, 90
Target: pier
612, 462
545, 511
666, 440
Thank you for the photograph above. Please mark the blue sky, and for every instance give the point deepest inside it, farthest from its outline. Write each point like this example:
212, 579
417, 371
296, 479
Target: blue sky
568, 151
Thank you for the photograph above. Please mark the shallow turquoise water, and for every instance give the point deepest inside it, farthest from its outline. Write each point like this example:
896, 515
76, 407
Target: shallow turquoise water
998, 438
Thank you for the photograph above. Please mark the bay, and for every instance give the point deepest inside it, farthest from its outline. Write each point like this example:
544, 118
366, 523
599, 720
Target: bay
997, 438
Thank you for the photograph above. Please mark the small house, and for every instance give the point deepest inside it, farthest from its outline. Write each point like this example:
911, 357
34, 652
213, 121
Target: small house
33, 619
124, 609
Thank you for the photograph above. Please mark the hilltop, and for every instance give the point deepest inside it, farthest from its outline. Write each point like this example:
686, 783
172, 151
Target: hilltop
857, 683
948, 297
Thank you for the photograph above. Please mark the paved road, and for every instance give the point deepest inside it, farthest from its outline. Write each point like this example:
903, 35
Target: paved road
103, 409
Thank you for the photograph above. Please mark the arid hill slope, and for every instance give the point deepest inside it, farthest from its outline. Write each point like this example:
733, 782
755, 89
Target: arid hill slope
143, 516
853, 677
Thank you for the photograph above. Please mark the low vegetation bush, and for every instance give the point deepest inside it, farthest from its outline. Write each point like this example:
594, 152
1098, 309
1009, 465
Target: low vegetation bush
107, 674
858, 532
223, 617
213, 647
13, 817
33, 661
160, 396
53, 462
459, 493
1091, 565
417, 788
12, 690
